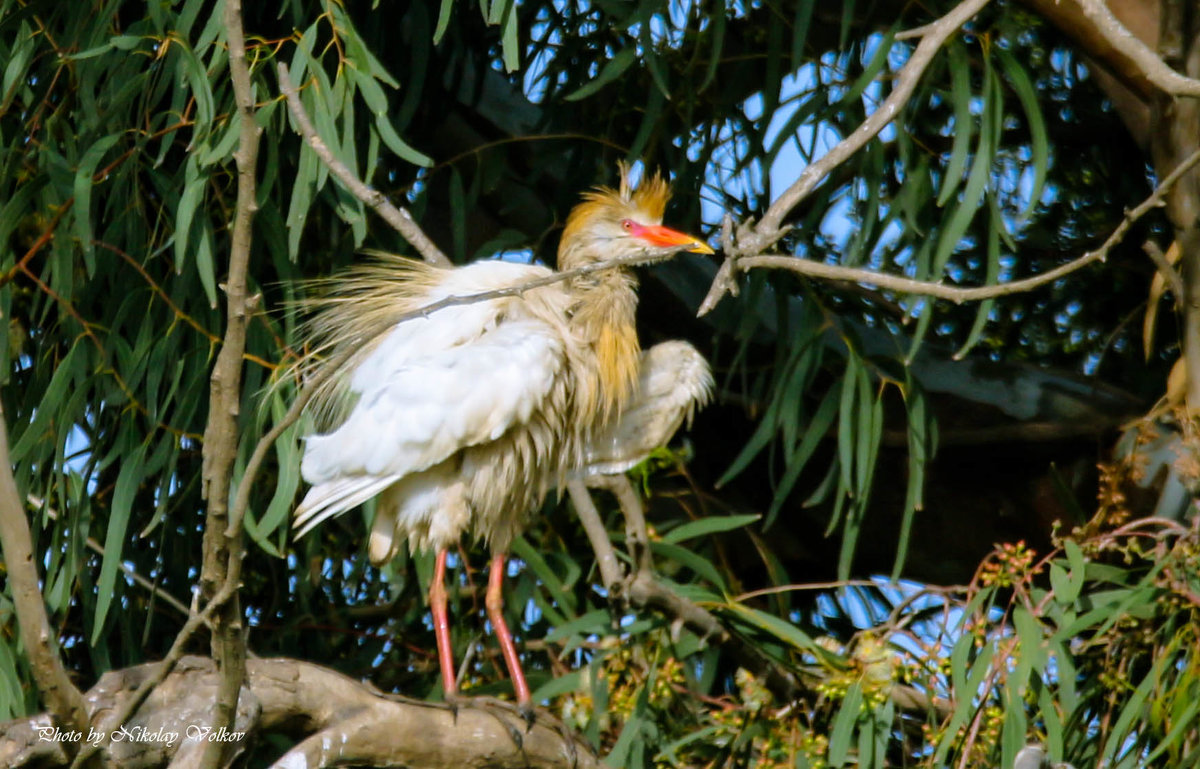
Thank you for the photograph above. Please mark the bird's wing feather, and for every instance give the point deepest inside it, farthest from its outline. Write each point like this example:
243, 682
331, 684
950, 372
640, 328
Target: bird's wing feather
458, 378
673, 380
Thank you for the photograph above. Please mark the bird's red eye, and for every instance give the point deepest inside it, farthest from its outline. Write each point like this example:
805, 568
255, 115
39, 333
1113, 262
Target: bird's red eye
627, 224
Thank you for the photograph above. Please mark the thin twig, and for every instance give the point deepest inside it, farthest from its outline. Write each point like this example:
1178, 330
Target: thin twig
754, 240
400, 219
164, 668
1169, 274
957, 294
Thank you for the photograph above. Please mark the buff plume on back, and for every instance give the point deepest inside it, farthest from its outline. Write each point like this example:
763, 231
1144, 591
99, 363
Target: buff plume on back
461, 420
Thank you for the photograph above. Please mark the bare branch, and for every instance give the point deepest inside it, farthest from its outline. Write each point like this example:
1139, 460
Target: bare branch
906, 82
1148, 63
400, 219
959, 295
1169, 274
223, 550
636, 536
610, 569
156, 673
754, 240
63, 700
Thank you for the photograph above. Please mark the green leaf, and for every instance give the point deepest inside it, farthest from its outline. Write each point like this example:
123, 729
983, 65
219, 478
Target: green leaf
18, 62
397, 145
717, 35
814, 433
843, 725
128, 480
1039, 139
557, 686
873, 69
595, 622
681, 555
194, 72
783, 630
847, 411
49, 406
559, 594
960, 95
613, 69
303, 187
801, 20
991, 277
510, 49
707, 526
1061, 582
194, 184
83, 187
966, 685
443, 20
205, 265
1131, 712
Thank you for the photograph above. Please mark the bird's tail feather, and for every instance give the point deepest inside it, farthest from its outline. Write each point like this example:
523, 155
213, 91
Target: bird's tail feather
326, 500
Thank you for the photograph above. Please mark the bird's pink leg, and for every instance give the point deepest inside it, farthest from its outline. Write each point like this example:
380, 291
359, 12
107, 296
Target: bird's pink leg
494, 602
441, 624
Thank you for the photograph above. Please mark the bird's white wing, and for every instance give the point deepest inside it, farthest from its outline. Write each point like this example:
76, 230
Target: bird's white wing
673, 381
460, 376
424, 396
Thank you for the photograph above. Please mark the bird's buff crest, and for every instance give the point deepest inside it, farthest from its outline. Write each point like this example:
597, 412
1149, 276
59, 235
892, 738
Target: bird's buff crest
647, 201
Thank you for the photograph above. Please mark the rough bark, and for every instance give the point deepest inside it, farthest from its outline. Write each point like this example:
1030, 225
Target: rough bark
1176, 126
222, 548
39, 639
334, 720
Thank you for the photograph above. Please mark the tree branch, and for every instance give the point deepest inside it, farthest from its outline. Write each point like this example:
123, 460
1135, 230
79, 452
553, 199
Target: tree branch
1143, 57
333, 720
223, 549
60, 696
611, 573
644, 591
959, 295
752, 241
400, 219
156, 674
1162, 263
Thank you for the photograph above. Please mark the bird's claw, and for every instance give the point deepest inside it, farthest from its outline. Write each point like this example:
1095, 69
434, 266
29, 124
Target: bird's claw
528, 715
453, 701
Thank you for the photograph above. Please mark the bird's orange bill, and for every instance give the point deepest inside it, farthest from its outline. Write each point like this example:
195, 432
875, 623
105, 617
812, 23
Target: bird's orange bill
665, 237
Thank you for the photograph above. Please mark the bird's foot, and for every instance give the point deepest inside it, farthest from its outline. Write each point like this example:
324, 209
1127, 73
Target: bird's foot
453, 701
528, 714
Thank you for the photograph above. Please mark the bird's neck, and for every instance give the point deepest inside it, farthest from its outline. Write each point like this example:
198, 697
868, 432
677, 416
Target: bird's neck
603, 317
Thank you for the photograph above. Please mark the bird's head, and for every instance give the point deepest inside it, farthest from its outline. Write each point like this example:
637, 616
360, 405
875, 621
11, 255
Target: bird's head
610, 223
